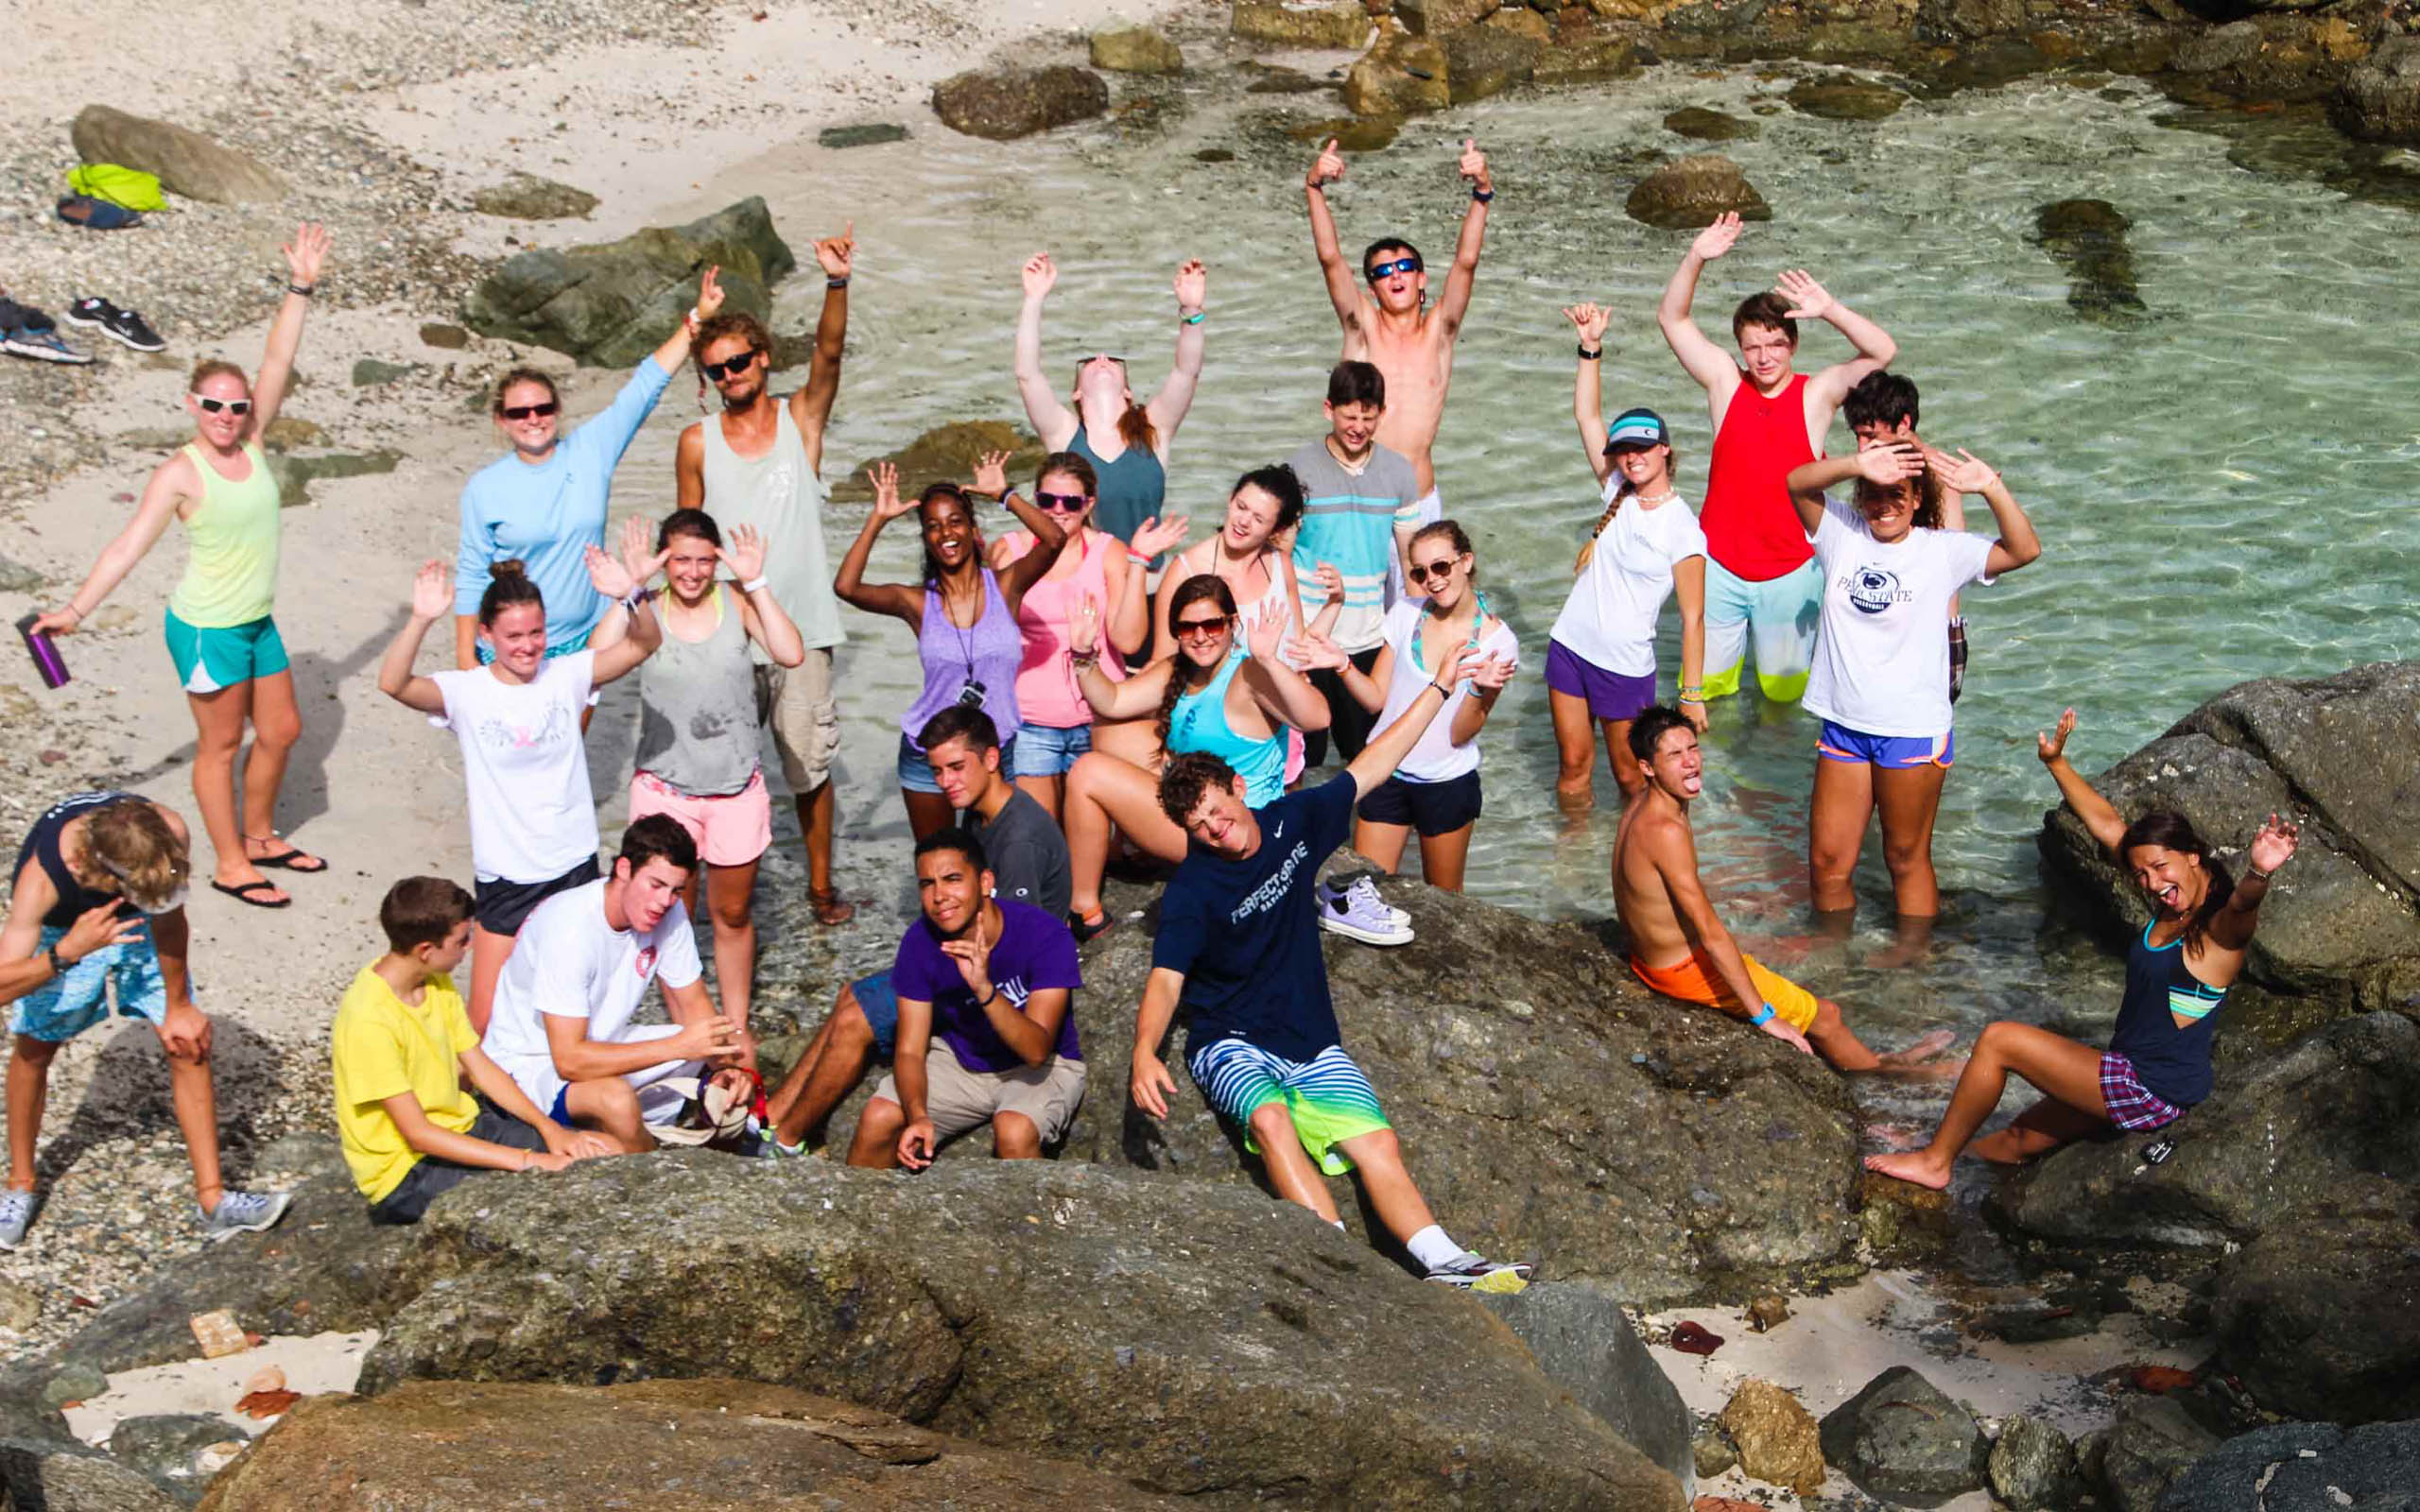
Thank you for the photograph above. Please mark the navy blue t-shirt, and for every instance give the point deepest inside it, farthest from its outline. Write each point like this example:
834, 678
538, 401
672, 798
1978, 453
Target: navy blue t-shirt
1246, 933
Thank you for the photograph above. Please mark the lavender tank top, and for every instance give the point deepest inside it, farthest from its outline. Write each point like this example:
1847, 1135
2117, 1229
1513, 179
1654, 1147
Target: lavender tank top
988, 652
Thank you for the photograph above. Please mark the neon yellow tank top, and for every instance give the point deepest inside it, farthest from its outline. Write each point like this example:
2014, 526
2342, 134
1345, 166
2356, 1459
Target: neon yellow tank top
231, 571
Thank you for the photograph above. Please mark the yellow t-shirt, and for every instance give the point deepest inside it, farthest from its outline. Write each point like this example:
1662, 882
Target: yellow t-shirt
383, 1046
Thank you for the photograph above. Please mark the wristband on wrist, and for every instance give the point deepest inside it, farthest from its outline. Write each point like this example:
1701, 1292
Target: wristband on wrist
2255, 874
840, 282
1484, 196
1196, 317
631, 601
58, 967
753, 584
988, 1000
1443, 691
307, 290
1763, 1015
1589, 353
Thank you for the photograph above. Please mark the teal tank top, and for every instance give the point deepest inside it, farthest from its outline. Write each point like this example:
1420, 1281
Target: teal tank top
1199, 723
1133, 488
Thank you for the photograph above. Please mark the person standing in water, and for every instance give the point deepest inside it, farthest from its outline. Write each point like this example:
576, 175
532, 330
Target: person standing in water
759, 463
2157, 1065
1762, 582
1127, 443
1391, 326
230, 659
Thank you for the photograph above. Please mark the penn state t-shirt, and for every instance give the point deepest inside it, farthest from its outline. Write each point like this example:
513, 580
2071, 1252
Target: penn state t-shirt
1245, 930
1882, 666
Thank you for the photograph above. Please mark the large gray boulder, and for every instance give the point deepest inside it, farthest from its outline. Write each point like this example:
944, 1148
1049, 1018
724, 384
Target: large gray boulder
1905, 1439
2154, 1442
2319, 1317
1587, 1344
1695, 191
1197, 1340
2380, 100
186, 163
1550, 1107
2289, 1467
2326, 1125
611, 303
1003, 104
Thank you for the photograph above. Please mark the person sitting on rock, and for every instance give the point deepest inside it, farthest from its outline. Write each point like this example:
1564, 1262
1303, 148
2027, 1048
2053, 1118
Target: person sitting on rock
1028, 861
986, 1031
2177, 975
404, 1050
1677, 943
562, 1027
1238, 946
100, 904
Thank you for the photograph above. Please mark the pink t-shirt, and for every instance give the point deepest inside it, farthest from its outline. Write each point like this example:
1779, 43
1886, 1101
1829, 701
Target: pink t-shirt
1047, 691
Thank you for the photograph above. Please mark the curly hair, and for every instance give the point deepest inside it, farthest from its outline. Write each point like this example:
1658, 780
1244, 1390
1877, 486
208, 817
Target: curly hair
1186, 778
131, 841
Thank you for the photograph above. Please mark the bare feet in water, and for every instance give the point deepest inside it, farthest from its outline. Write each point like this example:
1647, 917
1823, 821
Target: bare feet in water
1924, 1060
1916, 1167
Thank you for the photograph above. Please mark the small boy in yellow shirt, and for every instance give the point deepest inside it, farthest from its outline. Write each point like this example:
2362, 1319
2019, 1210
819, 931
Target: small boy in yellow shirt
404, 1050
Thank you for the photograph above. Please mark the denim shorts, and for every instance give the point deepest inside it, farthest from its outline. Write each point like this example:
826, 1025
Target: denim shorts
881, 1008
1046, 750
76, 999
916, 774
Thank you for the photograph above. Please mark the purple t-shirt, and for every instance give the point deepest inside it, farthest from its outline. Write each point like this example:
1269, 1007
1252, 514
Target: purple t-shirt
1034, 952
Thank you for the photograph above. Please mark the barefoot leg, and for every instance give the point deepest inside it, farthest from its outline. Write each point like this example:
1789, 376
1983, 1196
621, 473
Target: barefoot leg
2067, 1071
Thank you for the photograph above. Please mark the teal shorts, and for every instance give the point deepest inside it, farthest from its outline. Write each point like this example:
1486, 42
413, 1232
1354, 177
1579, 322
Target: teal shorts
210, 660
77, 999
1780, 615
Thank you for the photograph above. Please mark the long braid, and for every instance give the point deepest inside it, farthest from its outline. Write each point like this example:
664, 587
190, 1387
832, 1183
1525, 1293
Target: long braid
1588, 547
1189, 593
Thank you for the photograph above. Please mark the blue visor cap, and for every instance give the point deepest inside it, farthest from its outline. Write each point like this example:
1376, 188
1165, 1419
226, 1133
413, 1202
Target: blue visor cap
1636, 427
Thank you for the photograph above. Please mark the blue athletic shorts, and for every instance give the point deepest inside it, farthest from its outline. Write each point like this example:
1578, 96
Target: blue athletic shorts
1329, 1098
881, 1008
1046, 750
210, 659
1839, 743
75, 999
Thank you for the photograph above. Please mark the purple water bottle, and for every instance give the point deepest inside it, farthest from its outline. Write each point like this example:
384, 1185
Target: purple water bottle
47, 660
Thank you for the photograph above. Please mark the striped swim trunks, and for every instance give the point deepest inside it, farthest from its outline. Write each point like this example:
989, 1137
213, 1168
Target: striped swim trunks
1327, 1096
2132, 1105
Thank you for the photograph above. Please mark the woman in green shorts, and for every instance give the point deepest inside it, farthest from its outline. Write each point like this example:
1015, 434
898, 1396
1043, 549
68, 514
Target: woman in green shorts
226, 647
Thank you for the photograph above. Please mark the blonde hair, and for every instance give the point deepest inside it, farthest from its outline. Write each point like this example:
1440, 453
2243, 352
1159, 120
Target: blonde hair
209, 368
131, 841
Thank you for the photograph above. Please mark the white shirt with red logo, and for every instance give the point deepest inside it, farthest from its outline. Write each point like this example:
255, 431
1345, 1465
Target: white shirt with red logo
569, 963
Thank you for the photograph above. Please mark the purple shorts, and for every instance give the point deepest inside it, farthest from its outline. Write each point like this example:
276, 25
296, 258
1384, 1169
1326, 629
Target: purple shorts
1609, 694
2132, 1105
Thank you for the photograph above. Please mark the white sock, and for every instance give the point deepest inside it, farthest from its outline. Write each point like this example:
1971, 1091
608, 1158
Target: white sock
1431, 1247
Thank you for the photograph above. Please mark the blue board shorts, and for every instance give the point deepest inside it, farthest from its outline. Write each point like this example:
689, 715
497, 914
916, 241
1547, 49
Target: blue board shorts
1780, 616
1327, 1097
219, 657
1839, 743
76, 999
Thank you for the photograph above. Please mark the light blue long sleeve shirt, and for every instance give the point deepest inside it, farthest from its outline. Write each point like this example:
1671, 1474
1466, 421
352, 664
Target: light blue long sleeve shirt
549, 513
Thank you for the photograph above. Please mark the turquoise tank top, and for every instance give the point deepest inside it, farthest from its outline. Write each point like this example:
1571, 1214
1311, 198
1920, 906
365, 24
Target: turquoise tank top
1133, 488
1200, 723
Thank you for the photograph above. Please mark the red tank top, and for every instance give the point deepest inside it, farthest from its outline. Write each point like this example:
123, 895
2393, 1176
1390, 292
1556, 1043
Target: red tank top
1751, 527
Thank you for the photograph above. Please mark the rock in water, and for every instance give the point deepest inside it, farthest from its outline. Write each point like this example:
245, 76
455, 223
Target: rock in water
527, 196
1845, 99
1693, 191
1136, 50
945, 453
1586, 1344
756, 1445
2032, 1468
1711, 126
2153, 1446
1777, 1437
2380, 100
1337, 23
1003, 104
610, 304
1402, 75
1483, 60
1193, 1338
2318, 1316
186, 163
1903, 1436
863, 134
2087, 237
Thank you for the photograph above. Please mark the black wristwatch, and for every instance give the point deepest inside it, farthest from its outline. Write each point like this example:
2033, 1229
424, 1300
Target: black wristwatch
1589, 353
1484, 196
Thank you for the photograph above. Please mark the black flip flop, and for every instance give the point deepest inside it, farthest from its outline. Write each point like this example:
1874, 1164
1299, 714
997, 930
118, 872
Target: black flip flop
244, 893
286, 860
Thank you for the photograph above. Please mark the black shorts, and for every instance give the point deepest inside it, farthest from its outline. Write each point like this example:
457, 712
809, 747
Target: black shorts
1431, 808
501, 906
1346, 719
430, 1176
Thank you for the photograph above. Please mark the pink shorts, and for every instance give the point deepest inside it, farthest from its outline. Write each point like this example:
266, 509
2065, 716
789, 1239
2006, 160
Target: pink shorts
730, 831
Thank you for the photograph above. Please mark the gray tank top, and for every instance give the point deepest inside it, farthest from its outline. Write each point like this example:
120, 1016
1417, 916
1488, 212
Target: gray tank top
782, 497
697, 725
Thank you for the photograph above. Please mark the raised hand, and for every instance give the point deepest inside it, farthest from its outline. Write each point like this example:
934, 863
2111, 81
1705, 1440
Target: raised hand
1965, 473
1265, 637
2053, 745
1890, 462
1716, 239
835, 254
1154, 535
306, 252
608, 576
1331, 583
1472, 165
2274, 845
637, 550
1311, 650
744, 554
1328, 169
1083, 624
1491, 672
991, 474
1591, 320
433, 591
710, 292
1808, 298
1040, 274
972, 954
886, 503
1192, 285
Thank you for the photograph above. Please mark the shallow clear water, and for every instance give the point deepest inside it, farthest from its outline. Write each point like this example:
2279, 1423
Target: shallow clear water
2222, 490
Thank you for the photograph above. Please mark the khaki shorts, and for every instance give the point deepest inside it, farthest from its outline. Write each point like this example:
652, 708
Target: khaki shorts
957, 1099
795, 703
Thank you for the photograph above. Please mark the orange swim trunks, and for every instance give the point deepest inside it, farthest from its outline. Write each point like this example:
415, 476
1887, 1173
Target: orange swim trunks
1696, 980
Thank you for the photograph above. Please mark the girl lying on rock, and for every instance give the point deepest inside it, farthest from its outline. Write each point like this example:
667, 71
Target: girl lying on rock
2177, 975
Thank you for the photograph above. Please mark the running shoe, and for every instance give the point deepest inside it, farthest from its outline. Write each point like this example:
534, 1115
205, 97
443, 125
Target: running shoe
1357, 913
125, 327
1469, 1270
41, 346
1365, 894
243, 1213
16, 1216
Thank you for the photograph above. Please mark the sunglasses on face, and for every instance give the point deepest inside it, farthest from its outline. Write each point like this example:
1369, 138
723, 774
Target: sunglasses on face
232, 407
1201, 630
1440, 570
530, 411
730, 366
1070, 502
1401, 265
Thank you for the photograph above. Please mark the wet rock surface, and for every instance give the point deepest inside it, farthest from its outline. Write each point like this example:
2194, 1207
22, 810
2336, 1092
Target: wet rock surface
1585, 1344
1695, 191
1704, 125
2032, 1467
1005, 103
2380, 99
2154, 1442
2319, 1317
1402, 75
1845, 99
2296, 1465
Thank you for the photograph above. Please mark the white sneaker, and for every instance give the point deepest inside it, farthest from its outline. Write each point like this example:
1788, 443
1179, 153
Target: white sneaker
1359, 913
16, 1216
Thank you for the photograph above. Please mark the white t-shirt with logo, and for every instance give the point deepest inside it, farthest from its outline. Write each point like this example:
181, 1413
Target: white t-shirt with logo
1882, 667
1609, 620
569, 963
525, 763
